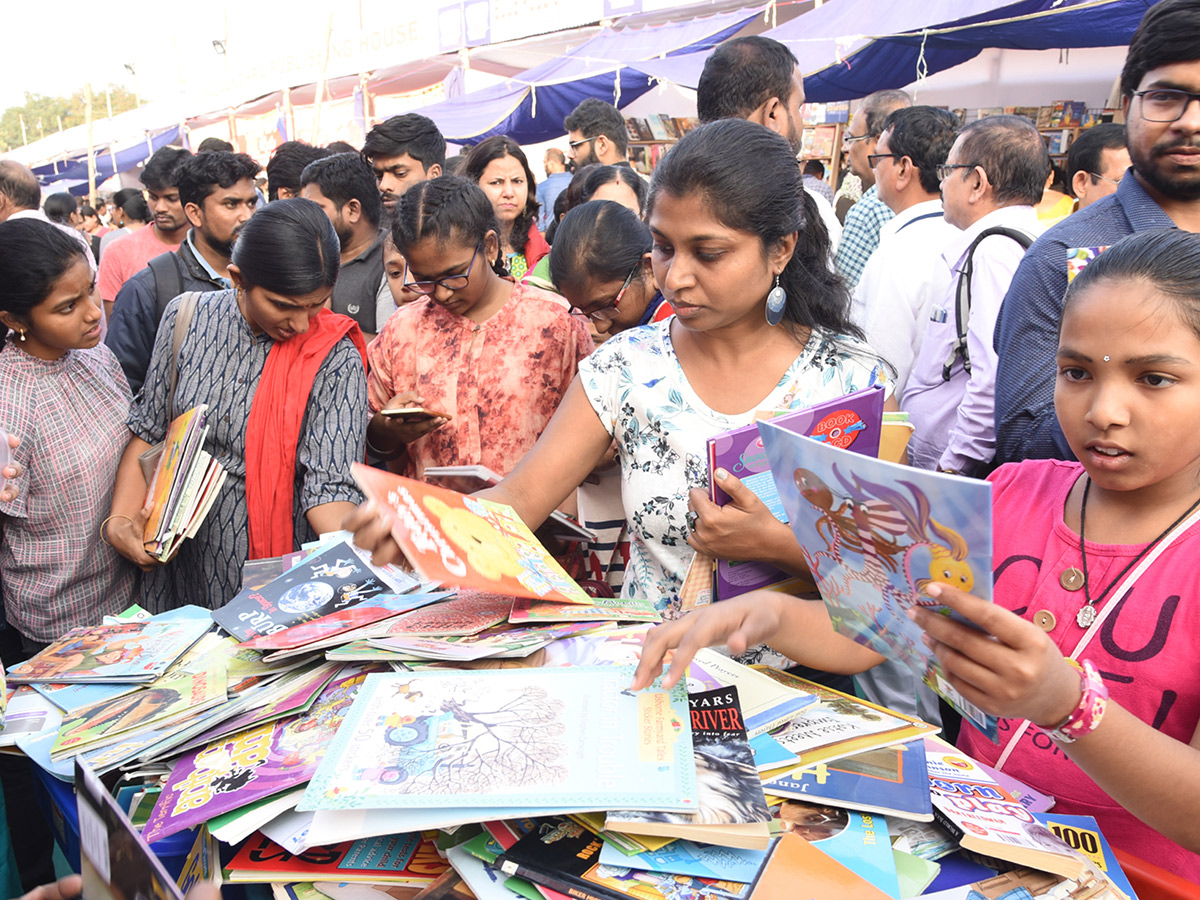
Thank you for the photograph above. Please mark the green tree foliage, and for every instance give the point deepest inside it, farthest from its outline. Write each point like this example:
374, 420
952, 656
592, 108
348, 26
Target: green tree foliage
46, 110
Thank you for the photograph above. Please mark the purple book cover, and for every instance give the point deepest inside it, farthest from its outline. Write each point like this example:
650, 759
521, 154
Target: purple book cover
253, 764
852, 422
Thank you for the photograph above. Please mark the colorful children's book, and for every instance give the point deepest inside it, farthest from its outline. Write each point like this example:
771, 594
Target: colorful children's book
1033, 800
733, 810
341, 623
509, 737
338, 577
132, 652
837, 725
874, 534
407, 859
602, 609
986, 819
859, 841
470, 612
688, 858
1083, 834
115, 860
184, 485
464, 541
798, 868
766, 703
890, 781
852, 421
236, 771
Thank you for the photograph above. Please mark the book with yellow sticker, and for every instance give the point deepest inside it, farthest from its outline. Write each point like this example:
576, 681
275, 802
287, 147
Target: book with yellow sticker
463, 541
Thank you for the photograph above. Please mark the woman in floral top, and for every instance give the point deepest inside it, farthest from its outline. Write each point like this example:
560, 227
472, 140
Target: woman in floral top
724, 235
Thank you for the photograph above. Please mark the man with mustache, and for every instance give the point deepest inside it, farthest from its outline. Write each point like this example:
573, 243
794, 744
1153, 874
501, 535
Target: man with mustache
1160, 85
160, 177
217, 195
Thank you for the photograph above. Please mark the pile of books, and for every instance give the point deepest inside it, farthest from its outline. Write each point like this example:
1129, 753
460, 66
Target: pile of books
467, 729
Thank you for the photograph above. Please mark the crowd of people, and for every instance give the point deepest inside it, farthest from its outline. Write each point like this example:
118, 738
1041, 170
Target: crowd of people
584, 335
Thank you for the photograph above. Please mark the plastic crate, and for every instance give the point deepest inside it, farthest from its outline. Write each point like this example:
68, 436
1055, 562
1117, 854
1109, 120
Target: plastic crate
57, 800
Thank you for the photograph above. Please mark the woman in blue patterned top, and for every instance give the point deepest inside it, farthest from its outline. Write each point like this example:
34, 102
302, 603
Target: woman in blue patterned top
286, 389
726, 233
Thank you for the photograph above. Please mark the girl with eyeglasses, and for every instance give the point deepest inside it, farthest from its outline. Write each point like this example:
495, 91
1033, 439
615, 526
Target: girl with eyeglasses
494, 357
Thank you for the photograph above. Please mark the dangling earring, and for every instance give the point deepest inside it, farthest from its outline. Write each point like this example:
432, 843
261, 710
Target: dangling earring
21, 336
775, 303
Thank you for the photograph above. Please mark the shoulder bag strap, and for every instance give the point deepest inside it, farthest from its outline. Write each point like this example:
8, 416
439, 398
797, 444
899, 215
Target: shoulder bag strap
183, 318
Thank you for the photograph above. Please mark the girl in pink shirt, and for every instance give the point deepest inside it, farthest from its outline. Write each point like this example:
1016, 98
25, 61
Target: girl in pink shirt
1105, 548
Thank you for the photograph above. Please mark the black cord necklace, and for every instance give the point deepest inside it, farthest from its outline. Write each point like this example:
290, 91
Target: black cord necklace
1087, 613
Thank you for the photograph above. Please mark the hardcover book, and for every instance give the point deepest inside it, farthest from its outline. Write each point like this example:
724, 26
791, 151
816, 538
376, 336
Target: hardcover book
853, 421
874, 534
571, 737
236, 771
466, 542
890, 781
338, 577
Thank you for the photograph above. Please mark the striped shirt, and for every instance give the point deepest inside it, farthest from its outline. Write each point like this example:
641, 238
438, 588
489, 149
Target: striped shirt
70, 416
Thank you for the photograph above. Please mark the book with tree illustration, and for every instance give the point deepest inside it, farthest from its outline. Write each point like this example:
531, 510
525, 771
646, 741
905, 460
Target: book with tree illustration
463, 541
874, 534
853, 421
733, 810
571, 737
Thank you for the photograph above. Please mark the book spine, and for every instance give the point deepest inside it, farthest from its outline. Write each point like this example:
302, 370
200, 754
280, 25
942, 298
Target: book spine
940, 817
558, 881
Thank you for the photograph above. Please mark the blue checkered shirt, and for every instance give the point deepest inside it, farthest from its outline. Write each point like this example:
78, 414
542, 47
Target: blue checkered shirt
860, 236
1026, 336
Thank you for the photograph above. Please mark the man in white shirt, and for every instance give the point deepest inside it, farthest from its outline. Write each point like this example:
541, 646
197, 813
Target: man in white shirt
992, 178
905, 276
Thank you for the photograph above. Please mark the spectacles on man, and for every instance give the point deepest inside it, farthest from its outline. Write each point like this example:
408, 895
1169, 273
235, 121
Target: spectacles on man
450, 282
1165, 104
1100, 177
574, 144
943, 171
854, 138
874, 158
609, 311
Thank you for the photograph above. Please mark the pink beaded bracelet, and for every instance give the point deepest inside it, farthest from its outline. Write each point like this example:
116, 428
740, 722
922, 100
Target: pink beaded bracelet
1085, 718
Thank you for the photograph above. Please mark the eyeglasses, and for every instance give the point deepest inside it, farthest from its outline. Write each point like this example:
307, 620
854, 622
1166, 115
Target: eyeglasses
943, 171
874, 158
609, 311
574, 144
854, 138
1100, 177
1165, 105
450, 282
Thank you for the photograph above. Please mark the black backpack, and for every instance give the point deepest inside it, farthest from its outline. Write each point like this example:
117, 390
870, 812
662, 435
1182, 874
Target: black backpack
962, 309
168, 281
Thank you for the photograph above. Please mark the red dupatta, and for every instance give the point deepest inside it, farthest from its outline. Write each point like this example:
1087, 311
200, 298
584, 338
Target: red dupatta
273, 428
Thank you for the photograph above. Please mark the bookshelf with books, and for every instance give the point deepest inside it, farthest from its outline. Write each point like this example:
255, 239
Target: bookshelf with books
651, 137
821, 137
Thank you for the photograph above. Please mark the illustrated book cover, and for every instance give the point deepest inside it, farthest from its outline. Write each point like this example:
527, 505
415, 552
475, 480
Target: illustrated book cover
571, 737
603, 609
733, 810
890, 781
338, 577
462, 541
850, 422
874, 534
407, 859
341, 623
854, 840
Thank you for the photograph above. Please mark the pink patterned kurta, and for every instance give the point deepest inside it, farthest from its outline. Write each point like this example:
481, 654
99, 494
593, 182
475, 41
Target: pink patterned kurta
501, 379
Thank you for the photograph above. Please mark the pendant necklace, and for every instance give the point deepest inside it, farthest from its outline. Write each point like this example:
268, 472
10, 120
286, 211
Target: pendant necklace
1087, 613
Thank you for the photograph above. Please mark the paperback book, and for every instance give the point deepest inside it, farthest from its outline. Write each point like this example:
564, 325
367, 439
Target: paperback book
766, 703
603, 609
573, 737
848, 422
338, 577
135, 651
406, 859
859, 841
874, 534
463, 541
339, 625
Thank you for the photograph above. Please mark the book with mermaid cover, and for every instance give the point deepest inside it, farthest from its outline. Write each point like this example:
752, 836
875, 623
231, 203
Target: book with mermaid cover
874, 534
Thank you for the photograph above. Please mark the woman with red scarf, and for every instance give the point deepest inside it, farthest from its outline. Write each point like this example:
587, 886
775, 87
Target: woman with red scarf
285, 383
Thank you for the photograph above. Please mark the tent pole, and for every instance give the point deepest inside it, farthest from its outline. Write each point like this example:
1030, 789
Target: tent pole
320, 98
24, 137
91, 159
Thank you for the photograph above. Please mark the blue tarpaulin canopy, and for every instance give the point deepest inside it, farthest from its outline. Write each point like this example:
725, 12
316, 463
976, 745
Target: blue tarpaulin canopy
531, 107
849, 48
72, 172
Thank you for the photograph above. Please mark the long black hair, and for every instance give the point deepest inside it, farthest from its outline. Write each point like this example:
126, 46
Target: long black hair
446, 208
33, 256
498, 147
600, 240
750, 180
288, 247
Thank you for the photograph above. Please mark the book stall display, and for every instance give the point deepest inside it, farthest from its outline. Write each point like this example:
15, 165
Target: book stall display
651, 137
463, 726
1059, 123
821, 137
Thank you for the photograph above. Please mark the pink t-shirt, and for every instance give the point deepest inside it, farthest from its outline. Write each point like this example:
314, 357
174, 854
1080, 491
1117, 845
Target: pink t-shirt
1146, 651
127, 256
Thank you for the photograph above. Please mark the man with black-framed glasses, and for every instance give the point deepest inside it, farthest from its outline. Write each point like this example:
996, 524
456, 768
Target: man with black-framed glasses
1160, 86
596, 134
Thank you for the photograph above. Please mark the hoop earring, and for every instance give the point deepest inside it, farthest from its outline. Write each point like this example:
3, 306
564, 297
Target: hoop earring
776, 300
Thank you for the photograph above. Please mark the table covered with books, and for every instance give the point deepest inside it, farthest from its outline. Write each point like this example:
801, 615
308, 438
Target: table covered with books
465, 727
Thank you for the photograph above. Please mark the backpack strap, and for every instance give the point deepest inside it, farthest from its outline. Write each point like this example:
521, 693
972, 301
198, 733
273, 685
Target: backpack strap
168, 281
962, 308
183, 318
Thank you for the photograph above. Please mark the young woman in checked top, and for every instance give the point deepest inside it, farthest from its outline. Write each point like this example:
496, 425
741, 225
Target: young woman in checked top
1103, 549
724, 235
